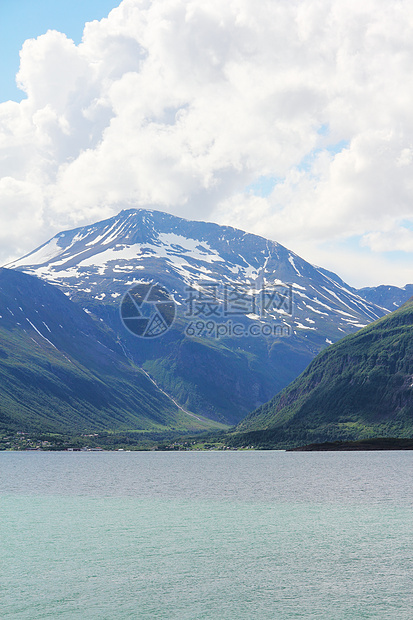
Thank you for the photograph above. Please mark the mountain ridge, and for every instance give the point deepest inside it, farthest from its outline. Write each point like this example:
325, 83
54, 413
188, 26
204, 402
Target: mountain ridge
359, 388
213, 374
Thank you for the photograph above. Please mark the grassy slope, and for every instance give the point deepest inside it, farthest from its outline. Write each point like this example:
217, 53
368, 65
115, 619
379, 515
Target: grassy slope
80, 380
222, 379
358, 388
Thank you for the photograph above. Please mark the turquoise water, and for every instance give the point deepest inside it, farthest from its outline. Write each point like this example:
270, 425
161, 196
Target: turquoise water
217, 535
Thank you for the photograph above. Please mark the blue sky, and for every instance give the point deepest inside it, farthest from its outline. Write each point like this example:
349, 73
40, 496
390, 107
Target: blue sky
27, 19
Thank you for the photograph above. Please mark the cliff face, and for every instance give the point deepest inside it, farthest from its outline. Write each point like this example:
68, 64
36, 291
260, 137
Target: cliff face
360, 387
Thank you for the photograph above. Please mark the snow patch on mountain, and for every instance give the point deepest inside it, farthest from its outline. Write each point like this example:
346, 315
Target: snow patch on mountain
40, 333
46, 253
291, 261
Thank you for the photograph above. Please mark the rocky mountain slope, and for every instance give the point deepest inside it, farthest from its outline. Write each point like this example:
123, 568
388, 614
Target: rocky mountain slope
249, 314
388, 297
360, 387
61, 371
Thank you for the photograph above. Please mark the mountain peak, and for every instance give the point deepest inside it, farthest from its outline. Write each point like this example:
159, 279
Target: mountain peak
101, 260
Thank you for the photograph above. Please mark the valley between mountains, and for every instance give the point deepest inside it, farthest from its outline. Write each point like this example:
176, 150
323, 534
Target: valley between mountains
69, 364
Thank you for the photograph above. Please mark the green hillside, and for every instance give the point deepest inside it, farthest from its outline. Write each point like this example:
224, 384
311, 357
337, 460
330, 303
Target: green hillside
360, 387
61, 371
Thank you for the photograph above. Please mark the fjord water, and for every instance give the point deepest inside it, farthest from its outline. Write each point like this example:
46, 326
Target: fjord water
216, 535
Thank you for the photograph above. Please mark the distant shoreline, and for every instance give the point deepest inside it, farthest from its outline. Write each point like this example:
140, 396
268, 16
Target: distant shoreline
378, 443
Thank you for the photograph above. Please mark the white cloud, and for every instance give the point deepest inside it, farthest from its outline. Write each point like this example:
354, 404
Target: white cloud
185, 105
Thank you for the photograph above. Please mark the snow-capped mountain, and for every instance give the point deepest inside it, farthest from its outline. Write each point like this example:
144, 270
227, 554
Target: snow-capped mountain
100, 261
216, 275
388, 297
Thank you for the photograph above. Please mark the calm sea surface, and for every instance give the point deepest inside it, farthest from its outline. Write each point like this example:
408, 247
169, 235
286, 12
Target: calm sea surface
217, 535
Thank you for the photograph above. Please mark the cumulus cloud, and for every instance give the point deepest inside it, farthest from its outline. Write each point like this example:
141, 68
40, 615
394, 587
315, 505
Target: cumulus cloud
188, 106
